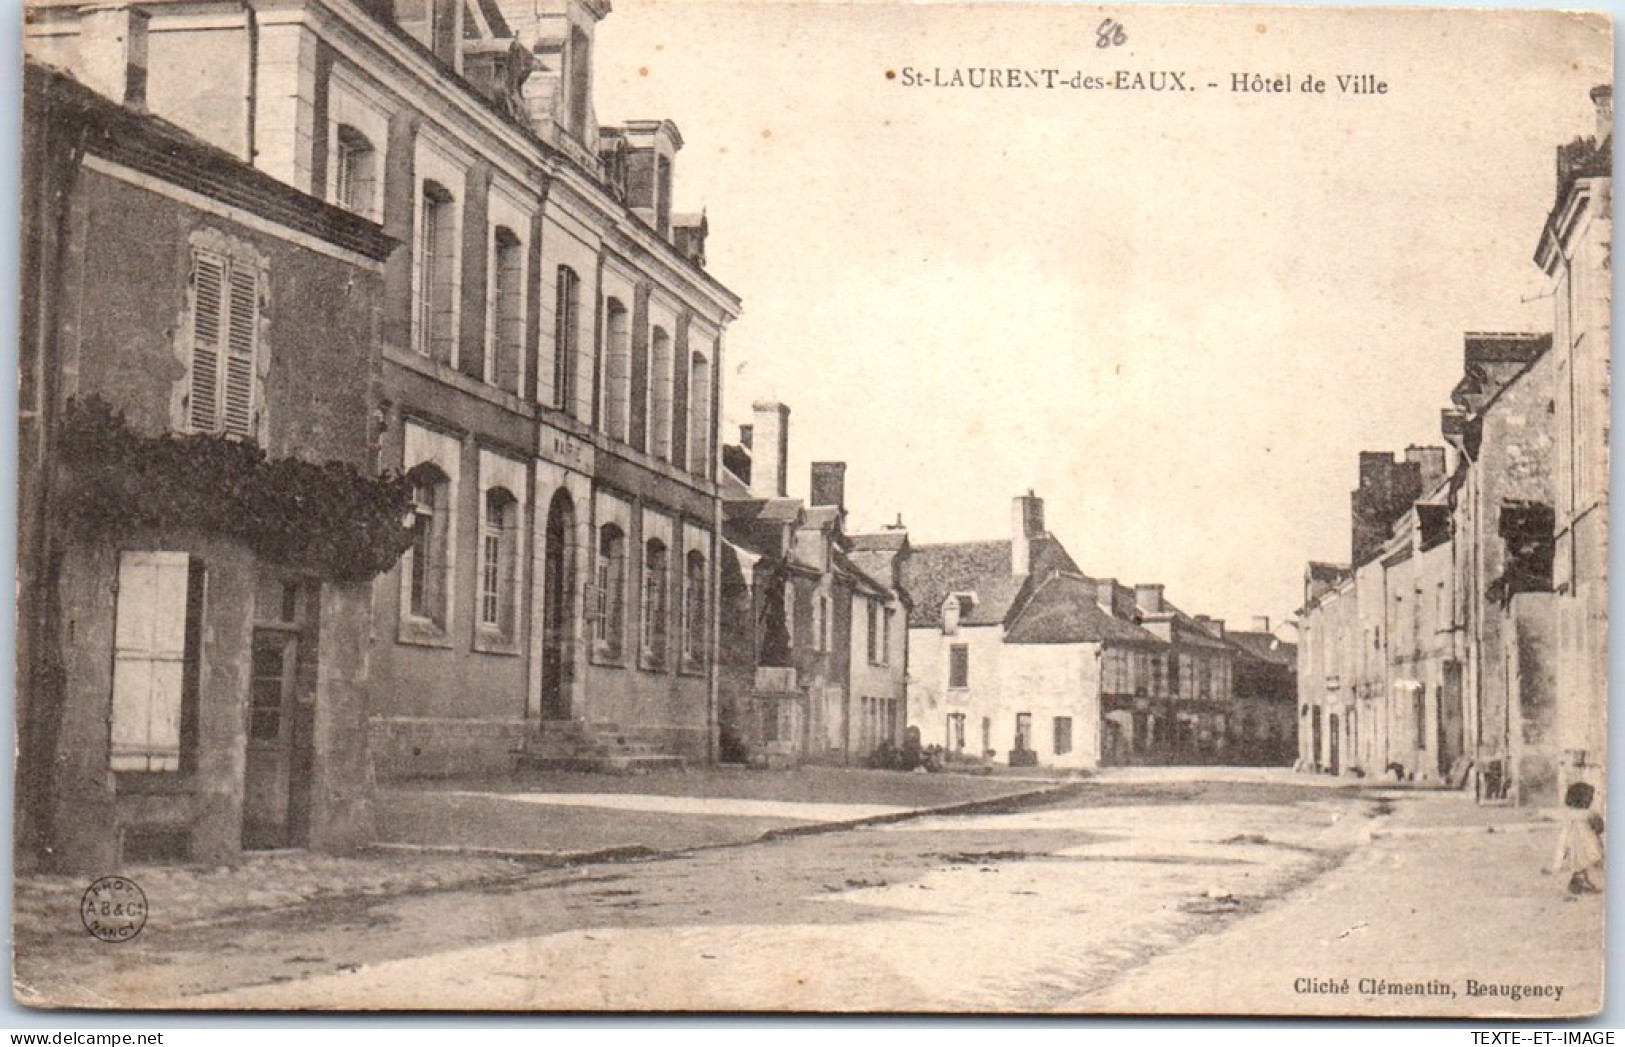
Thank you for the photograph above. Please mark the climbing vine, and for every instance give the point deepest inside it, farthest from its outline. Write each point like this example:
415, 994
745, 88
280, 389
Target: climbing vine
328, 517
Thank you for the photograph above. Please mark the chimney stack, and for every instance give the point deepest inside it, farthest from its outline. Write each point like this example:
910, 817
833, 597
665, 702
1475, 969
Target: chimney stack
1106, 594
1149, 598
1261, 624
829, 484
1602, 96
1431, 459
113, 52
770, 449
1027, 523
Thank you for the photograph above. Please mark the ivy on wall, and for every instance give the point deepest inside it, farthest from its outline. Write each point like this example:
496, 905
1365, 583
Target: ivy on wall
327, 518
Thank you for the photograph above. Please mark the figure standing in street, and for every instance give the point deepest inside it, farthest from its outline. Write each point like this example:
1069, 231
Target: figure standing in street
1579, 848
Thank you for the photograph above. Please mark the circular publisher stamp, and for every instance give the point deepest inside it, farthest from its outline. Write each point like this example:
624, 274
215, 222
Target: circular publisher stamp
114, 909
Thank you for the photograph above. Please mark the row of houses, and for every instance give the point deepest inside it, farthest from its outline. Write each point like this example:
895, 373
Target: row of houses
1019, 657
1466, 639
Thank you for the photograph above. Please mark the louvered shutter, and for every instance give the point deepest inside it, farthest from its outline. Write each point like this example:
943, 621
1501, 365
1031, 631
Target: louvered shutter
208, 309
149, 657
242, 332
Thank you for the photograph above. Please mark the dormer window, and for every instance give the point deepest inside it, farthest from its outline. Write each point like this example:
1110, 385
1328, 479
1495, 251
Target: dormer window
955, 609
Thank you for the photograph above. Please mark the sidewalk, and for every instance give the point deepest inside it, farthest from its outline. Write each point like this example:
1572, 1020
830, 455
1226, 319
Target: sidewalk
448, 835
1447, 903
576, 817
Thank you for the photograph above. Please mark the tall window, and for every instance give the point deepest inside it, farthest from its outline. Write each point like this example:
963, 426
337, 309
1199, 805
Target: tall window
507, 314
887, 618
1024, 732
426, 557
157, 636
874, 631
699, 427
956, 732
617, 369
694, 608
498, 561
435, 317
354, 171
566, 339
656, 581
959, 666
610, 629
660, 394
225, 337
1063, 735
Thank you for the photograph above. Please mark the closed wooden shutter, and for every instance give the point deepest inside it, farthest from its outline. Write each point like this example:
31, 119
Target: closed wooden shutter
208, 310
242, 333
149, 656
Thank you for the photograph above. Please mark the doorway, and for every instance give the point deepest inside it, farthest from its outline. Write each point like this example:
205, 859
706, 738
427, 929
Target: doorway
281, 717
558, 624
1333, 746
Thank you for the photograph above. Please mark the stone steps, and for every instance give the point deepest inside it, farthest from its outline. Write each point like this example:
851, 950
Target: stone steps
596, 748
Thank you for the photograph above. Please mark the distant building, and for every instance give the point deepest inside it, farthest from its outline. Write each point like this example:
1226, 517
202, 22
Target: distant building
1018, 657
814, 656
1263, 729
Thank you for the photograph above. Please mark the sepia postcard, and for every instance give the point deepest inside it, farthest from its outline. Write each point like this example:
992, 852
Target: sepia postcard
544, 505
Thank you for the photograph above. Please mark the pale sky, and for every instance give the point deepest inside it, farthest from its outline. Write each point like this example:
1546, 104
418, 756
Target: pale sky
1178, 317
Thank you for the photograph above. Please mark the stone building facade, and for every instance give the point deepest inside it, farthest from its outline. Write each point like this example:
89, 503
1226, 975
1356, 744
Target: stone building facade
814, 660
1484, 657
550, 355
182, 692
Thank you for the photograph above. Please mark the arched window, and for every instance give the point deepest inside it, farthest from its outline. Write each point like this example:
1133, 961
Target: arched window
610, 628
434, 320
355, 171
498, 562
656, 607
425, 561
617, 369
660, 394
694, 617
507, 314
566, 339
700, 425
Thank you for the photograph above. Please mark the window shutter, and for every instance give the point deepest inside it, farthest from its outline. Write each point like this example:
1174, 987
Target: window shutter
149, 656
242, 332
208, 301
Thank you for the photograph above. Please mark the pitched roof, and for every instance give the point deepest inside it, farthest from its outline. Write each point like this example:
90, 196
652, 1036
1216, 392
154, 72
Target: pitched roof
890, 541
865, 582
1062, 609
932, 572
156, 147
1265, 647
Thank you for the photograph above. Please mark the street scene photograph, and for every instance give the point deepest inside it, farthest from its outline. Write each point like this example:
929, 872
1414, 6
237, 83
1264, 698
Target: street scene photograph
807, 507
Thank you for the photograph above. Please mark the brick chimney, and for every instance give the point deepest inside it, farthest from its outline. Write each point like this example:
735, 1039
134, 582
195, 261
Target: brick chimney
1026, 523
828, 484
1106, 594
1261, 624
113, 52
770, 449
1148, 597
1602, 96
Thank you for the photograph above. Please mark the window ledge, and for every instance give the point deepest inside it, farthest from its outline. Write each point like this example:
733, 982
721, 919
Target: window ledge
421, 633
152, 783
607, 660
489, 641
